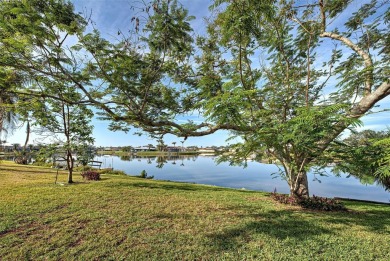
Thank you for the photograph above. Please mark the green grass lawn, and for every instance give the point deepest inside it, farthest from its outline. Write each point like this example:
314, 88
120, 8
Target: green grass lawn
127, 218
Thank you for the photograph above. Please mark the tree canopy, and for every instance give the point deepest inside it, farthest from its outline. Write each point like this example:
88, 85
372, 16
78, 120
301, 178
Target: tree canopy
277, 73
364, 154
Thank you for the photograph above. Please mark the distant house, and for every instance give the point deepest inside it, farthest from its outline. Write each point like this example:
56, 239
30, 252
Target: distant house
192, 148
8, 148
144, 148
112, 148
173, 149
220, 148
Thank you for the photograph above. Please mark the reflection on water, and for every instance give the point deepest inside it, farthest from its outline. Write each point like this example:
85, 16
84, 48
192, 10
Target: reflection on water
257, 176
160, 161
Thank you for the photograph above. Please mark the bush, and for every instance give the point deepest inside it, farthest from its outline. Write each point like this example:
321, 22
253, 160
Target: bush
144, 175
90, 175
320, 203
285, 199
21, 160
316, 203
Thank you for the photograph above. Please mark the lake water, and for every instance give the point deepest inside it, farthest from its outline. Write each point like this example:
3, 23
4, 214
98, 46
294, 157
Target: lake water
257, 176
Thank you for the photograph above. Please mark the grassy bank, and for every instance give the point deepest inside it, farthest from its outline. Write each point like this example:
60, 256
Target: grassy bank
129, 218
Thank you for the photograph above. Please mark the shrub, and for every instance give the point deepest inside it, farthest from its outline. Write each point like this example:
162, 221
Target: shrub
144, 175
285, 199
90, 175
320, 203
315, 203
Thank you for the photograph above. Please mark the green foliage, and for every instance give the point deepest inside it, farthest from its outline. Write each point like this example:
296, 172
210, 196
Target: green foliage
144, 175
30, 26
22, 157
255, 72
383, 145
127, 149
8, 117
335, 7
363, 154
169, 29
45, 153
278, 111
84, 153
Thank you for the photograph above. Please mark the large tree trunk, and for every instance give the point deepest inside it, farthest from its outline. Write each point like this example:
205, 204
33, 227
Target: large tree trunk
299, 185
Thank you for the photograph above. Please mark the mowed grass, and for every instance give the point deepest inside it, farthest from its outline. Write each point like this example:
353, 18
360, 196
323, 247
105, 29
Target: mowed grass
126, 218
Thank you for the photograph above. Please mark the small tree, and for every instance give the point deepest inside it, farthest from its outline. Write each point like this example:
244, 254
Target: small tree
127, 149
68, 125
161, 146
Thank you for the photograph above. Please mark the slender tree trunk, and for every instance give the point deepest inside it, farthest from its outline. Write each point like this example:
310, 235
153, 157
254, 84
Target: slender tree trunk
69, 162
28, 130
69, 158
23, 157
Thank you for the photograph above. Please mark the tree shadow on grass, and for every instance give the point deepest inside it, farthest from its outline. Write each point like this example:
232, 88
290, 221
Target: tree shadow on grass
281, 224
286, 223
376, 218
297, 225
66, 184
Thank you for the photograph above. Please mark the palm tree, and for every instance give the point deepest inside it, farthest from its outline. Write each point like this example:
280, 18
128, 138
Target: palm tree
15, 146
1, 144
8, 118
161, 145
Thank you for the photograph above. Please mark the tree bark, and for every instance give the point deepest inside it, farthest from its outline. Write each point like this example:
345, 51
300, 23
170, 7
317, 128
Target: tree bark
69, 162
28, 130
299, 185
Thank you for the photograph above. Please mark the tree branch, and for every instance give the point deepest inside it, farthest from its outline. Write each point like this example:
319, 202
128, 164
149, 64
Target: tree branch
365, 56
365, 104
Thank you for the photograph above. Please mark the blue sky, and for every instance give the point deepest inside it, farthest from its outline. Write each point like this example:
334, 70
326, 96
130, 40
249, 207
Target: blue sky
111, 15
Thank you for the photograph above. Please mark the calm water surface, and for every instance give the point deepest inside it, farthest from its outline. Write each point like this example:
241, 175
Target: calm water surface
257, 176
